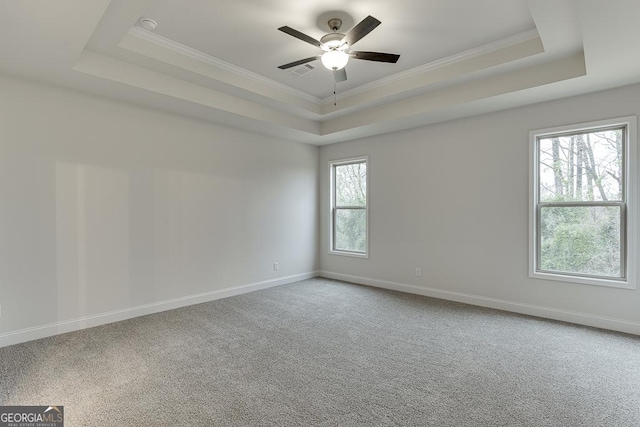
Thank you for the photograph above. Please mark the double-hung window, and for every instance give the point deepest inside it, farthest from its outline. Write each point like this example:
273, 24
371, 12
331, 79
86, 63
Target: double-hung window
582, 213
349, 207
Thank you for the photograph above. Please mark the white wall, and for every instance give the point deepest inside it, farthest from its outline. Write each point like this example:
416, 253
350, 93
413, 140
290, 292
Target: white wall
452, 199
105, 206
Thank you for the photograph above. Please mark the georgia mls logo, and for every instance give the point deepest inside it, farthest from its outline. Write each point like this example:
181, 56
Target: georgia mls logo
31, 416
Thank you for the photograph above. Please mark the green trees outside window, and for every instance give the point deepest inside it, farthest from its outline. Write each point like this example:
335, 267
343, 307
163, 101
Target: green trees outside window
581, 203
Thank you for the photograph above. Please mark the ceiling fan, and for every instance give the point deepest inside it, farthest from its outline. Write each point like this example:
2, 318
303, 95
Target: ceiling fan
336, 47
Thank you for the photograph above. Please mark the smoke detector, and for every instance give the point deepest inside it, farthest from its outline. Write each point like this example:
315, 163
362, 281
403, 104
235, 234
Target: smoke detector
148, 24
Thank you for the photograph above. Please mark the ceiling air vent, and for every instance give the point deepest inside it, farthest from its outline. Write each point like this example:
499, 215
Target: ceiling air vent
297, 72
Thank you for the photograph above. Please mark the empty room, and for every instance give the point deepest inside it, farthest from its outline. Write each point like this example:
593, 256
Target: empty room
319, 213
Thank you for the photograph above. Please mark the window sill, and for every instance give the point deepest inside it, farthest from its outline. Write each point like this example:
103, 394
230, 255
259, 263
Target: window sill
620, 284
349, 254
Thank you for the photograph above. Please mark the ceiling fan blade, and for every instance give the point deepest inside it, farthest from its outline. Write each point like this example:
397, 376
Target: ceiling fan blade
365, 26
376, 56
340, 75
297, 34
298, 62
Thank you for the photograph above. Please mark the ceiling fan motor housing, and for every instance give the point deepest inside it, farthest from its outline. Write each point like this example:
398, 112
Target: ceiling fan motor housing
332, 42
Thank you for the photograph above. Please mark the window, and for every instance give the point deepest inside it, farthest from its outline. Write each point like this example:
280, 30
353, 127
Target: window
349, 213
582, 212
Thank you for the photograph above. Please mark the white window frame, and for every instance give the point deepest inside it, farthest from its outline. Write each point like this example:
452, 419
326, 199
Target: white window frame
332, 207
629, 210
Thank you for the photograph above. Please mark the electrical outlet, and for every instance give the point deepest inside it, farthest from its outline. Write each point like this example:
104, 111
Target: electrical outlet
276, 266
418, 272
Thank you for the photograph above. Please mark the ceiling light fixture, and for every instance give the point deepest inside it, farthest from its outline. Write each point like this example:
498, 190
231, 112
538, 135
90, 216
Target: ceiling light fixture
334, 59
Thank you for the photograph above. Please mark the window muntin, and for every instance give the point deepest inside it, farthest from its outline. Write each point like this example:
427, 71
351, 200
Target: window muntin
580, 228
349, 216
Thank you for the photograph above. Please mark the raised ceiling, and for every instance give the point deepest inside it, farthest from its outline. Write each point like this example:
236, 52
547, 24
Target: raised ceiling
218, 60
244, 33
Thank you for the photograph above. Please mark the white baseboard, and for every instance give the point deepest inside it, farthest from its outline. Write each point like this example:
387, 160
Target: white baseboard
610, 323
43, 331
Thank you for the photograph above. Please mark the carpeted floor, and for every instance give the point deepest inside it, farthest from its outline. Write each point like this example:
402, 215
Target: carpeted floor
327, 353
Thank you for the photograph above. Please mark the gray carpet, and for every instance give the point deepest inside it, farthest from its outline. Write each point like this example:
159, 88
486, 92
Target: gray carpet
326, 353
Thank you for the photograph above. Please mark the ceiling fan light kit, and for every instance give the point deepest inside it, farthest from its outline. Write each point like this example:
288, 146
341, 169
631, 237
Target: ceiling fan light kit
336, 47
334, 60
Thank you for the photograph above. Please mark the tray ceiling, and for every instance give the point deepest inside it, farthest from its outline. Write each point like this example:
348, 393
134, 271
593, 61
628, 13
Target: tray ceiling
244, 33
218, 60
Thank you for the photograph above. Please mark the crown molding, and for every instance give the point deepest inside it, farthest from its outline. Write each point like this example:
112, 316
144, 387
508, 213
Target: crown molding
466, 55
164, 42
439, 63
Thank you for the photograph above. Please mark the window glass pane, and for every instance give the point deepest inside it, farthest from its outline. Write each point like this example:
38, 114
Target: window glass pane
582, 167
351, 185
351, 230
583, 240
